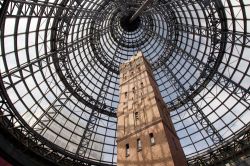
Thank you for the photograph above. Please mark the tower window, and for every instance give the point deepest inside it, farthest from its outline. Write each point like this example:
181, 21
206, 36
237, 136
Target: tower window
141, 84
139, 147
136, 116
127, 150
133, 89
126, 94
152, 139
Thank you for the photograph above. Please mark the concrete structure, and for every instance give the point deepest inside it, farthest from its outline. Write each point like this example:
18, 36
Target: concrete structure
146, 135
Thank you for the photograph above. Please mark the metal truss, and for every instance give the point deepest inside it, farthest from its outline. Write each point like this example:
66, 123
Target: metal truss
218, 38
84, 143
202, 118
30, 140
227, 153
59, 66
61, 50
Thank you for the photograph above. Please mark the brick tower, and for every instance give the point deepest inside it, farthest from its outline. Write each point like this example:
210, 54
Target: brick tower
146, 135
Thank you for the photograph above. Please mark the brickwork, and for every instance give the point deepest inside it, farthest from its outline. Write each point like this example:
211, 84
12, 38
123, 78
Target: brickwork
146, 135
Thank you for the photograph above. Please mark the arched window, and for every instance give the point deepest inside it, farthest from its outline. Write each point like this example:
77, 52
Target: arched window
139, 146
126, 94
136, 116
133, 89
127, 150
152, 139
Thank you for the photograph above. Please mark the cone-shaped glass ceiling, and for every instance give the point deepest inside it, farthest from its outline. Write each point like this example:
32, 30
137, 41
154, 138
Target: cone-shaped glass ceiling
59, 63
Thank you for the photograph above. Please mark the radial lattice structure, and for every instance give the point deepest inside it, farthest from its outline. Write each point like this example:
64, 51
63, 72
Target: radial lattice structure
59, 82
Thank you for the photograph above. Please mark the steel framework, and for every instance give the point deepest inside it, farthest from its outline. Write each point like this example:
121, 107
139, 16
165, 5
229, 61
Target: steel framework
59, 68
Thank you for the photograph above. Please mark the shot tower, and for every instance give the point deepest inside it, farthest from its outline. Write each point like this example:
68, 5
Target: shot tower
146, 135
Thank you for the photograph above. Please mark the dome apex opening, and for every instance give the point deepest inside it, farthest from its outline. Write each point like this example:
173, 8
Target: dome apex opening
130, 26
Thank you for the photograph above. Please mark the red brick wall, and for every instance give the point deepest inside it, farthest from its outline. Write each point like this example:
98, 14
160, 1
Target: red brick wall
145, 102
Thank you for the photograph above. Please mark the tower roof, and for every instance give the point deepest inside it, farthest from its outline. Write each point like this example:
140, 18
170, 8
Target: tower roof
135, 56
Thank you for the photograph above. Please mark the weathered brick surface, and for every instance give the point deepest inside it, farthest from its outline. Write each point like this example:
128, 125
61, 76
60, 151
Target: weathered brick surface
139, 93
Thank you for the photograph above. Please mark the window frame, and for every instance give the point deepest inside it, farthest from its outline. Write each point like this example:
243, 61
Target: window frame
152, 139
139, 144
127, 150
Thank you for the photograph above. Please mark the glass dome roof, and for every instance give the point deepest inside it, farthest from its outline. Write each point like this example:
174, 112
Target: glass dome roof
59, 63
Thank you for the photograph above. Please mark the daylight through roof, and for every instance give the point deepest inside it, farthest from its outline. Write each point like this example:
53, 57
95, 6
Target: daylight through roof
59, 81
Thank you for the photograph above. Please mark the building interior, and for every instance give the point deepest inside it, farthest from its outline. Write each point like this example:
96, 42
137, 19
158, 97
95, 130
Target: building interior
60, 77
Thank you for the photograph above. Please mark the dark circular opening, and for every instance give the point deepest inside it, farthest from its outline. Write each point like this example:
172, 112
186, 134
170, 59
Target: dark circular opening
130, 26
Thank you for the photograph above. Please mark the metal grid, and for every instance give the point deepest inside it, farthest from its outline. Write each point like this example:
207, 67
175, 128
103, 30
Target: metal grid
59, 63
